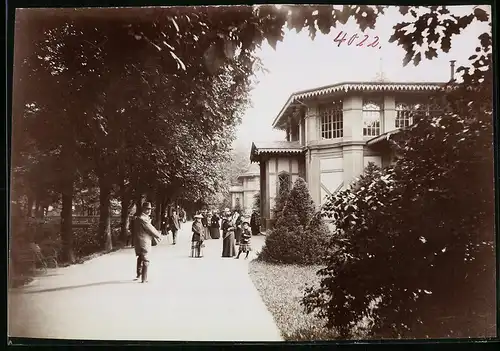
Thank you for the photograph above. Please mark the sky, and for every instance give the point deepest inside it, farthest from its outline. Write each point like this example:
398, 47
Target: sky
299, 63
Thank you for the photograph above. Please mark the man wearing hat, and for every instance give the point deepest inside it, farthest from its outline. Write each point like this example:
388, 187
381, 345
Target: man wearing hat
174, 225
146, 236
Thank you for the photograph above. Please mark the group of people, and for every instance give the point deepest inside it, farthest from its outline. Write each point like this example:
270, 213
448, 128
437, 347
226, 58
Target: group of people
236, 231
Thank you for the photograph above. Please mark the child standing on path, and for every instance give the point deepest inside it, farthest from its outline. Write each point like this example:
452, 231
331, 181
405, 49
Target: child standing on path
246, 235
198, 237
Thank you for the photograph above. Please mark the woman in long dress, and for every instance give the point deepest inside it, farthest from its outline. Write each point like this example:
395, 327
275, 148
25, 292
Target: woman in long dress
228, 247
215, 226
204, 222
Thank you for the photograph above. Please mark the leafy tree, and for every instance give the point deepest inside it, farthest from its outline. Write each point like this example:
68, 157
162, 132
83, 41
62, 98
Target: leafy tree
294, 239
416, 220
279, 203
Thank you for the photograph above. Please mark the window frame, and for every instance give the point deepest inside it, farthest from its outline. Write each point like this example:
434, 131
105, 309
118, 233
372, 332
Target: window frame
417, 109
405, 112
288, 180
331, 123
367, 109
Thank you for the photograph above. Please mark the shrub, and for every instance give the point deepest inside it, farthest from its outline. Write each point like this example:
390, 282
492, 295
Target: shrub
279, 203
296, 239
413, 246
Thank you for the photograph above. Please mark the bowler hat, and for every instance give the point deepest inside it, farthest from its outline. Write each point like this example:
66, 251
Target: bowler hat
147, 206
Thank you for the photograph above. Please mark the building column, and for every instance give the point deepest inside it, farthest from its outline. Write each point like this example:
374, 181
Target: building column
311, 124
353, 118
314, 179
352, 163
264, 196
389, 116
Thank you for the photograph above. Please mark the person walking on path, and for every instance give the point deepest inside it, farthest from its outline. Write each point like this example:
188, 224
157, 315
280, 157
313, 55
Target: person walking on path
215, 226
197, 238
131, 234
146, 236
204, 222
255, 223
174, 226
237, 225
246, 236
164, 228
182, 215
228, 247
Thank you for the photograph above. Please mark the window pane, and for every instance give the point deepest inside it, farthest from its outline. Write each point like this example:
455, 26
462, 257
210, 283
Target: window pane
331, 120
371, 123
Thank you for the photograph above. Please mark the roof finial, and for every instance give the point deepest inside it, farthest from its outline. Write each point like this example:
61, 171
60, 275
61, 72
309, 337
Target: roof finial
380, 76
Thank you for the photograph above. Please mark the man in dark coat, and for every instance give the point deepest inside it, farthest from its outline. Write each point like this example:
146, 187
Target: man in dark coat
174, 225
144, 233
165, 224
255, 223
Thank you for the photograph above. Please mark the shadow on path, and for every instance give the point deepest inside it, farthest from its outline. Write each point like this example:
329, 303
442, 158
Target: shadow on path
76, 286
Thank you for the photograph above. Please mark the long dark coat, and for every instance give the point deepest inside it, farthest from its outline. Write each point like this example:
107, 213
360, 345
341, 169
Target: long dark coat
215, 227
174, 222
255, 223
228, 247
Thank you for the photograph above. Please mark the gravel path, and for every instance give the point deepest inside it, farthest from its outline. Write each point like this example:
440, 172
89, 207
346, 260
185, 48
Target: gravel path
208, 299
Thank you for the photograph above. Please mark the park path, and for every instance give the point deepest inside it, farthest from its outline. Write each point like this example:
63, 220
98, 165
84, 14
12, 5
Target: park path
208, 299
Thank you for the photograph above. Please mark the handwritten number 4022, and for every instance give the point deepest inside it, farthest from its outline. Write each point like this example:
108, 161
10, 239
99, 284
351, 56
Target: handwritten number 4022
340, 40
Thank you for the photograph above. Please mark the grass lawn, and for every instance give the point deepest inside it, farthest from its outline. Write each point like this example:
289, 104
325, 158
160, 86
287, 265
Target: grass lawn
282, 288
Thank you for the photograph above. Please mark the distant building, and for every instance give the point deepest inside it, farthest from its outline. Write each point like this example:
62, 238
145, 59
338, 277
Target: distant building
243, 191
333, 132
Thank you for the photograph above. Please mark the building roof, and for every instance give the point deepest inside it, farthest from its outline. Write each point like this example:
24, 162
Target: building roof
253, 171
382, 138
294, 99
275, 147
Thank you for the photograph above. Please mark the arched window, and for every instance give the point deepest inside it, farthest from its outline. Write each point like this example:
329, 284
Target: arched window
372, 115
284, 182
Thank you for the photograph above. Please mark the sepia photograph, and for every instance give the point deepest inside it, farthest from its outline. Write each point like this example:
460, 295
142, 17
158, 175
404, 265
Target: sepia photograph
252, 173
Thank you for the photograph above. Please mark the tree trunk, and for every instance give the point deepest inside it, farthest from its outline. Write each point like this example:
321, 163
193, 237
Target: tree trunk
164, 208
138, 203
30, 207
39, 209
158, 209
125, 201
68, 254
104, 231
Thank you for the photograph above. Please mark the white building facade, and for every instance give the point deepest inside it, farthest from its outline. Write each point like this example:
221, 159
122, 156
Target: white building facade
333, 133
